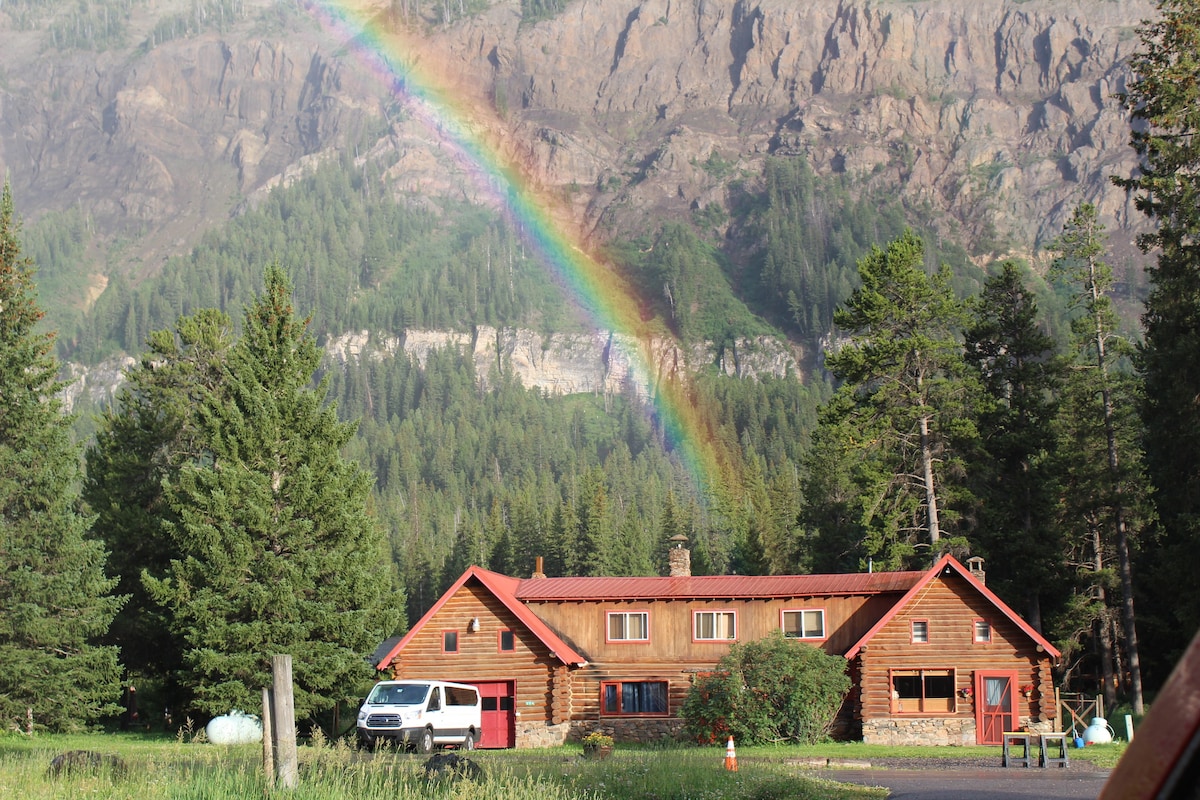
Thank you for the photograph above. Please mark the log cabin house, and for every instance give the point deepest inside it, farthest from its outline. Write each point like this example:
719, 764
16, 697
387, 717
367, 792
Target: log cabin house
934, 656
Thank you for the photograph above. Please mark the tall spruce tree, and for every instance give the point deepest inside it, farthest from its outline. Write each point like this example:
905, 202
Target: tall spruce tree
276, 550
1164, 101
1097, 346
55, 599
905, 391
1020, 374
151, 433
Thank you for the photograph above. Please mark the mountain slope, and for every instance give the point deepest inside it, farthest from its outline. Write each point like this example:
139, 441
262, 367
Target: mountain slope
991, 120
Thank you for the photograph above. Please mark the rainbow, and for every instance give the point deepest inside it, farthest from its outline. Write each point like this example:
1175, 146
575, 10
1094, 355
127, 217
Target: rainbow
418, 78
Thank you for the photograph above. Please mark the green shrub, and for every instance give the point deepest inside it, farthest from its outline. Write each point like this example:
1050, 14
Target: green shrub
772, 690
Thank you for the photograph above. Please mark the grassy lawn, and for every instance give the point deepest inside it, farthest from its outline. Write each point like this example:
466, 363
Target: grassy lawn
170, 769
164, 768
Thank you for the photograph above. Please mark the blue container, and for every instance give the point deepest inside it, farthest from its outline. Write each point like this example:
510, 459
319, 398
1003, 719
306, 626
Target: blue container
1079, 742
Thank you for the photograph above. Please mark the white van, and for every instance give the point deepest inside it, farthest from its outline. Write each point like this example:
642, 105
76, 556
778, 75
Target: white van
421, 714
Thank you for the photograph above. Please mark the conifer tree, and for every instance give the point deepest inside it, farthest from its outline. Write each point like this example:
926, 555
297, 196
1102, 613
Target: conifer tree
151, 433
905, 393
1020, 374
276, 551
1097, 347
55, 599
1164, 102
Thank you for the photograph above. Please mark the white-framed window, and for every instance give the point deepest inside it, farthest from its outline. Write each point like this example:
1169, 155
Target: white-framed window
803, 623
983, 631
714, 626
920, 631
628, 626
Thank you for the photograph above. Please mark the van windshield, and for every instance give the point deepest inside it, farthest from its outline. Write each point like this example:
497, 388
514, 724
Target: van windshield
398, 694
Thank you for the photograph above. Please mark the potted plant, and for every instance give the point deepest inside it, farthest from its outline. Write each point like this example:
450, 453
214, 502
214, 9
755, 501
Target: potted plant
1027, 690
597, 745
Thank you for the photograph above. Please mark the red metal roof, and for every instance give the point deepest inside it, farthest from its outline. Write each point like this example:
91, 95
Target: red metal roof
502, 587
949, 563
714, 586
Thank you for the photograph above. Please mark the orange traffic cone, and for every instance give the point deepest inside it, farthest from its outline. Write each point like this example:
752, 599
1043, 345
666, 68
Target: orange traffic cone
730, 756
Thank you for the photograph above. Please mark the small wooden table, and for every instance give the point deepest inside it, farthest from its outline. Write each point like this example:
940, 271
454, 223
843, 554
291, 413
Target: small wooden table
1062, 759
1022, 738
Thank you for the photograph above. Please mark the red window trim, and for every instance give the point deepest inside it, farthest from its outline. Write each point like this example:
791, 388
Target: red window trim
912, 632
736, 626
893, 700
656, 714
824, 627
975, 631
609, 613
456, 643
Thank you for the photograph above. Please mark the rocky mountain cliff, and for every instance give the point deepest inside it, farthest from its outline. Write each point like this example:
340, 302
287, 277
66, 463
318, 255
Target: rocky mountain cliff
992, 119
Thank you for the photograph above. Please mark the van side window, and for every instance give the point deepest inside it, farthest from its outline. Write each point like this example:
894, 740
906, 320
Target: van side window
435, 700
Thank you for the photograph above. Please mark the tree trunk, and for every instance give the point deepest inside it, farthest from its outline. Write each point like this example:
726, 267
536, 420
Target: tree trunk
1104, 637
1124, 566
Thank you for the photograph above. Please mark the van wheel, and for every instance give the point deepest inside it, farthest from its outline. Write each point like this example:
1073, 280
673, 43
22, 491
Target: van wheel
425, 743
469, 742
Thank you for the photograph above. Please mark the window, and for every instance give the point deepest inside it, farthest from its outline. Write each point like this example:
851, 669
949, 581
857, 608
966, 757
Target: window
983, 631
923, 691
449, 641
633, 698
712, 626
628, 626
508, 642
920, 631
807, 623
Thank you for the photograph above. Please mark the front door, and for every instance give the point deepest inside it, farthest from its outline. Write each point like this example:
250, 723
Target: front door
995, 705
498, 720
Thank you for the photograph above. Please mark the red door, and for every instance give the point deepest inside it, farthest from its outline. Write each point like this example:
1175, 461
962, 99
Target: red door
498, 699
995, 705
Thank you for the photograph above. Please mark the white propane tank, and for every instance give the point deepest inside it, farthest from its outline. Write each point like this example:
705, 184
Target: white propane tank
235, 727
1099, 732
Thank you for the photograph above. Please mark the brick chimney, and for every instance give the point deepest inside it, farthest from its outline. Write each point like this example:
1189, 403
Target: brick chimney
679, 558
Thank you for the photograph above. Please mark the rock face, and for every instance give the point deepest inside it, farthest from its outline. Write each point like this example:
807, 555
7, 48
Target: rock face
998, 113
604, 362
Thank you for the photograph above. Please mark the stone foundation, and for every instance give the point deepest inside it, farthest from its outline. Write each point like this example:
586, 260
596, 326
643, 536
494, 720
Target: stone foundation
946, 731
644, 731
539, 734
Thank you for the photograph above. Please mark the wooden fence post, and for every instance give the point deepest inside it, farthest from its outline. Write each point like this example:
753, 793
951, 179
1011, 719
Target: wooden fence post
283, 719
268, 735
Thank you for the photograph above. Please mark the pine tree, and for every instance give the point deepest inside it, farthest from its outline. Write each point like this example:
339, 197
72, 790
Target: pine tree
1020, 375
903, 381
1098, 345
149, 436
1164, 102
276, 551
54, 597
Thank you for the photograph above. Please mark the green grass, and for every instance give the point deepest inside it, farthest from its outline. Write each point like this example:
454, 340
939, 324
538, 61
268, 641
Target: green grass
175, 769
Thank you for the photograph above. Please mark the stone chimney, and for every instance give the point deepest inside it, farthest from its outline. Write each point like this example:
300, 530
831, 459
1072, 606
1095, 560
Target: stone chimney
679, 558
975, 567
538, 566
